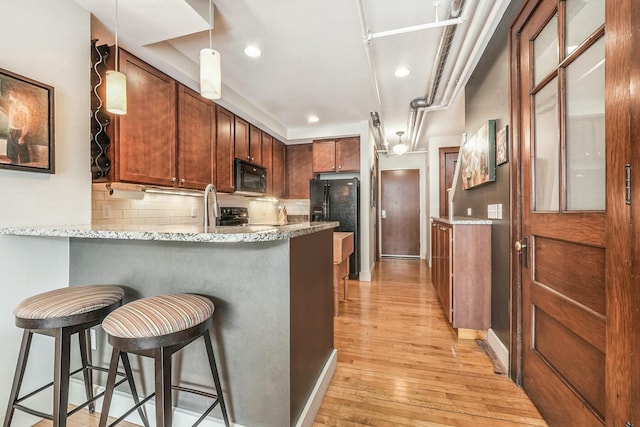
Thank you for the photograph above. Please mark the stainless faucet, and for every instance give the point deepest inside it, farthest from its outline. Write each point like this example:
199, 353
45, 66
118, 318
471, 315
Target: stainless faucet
210, 188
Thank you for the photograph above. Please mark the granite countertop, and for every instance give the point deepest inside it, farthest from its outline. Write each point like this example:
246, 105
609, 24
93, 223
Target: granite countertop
462, 220
176, 233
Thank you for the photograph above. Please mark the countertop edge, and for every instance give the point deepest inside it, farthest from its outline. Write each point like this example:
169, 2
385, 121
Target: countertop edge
174, 233
462, 220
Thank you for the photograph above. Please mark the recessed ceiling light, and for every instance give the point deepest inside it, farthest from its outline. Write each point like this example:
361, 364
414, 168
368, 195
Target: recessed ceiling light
313, 119
402, 72
252, 51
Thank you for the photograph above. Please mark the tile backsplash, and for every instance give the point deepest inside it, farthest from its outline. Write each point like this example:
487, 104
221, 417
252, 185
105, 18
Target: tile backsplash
139, 208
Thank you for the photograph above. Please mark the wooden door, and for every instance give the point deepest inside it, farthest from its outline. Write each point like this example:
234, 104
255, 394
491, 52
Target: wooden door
558, 49
400, 212
196, 139
224, 150
146, 143
448, 159
348, 154
324, 155
299, 170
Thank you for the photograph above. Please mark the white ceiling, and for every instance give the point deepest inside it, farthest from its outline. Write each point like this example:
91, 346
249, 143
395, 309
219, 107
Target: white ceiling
314, 59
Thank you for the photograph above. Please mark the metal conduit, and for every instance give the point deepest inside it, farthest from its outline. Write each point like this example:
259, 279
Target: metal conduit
442, 55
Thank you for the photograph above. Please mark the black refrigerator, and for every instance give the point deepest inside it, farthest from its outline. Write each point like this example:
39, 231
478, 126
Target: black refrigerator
339, 200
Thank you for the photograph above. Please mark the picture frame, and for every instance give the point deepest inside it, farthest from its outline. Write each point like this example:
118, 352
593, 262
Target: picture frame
478, 157
502, 146
26, 124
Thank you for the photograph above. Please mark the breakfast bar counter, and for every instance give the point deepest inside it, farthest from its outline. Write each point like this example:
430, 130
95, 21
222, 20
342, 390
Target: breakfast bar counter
273, 293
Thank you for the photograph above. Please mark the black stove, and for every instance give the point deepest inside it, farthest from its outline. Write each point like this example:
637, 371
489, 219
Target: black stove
233, 216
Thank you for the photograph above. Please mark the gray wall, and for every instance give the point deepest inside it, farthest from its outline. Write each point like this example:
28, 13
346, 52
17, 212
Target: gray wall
487, 97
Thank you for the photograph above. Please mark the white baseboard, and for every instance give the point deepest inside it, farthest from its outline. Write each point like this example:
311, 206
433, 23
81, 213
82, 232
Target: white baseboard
319, 390
501, 351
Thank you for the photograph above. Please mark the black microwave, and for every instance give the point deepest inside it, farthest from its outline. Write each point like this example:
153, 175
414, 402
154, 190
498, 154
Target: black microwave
250, 179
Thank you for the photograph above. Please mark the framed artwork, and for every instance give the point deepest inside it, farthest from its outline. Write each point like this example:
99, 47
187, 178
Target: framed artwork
26, 124
502, 146
478, 157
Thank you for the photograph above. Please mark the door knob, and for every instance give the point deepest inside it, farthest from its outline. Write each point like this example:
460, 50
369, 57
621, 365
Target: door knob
520, 245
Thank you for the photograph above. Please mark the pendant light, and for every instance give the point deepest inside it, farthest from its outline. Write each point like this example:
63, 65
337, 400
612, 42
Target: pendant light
210, 74
116, 83
400, 148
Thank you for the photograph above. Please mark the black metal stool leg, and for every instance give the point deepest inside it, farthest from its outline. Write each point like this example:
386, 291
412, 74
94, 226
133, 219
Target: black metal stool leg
216, 378
84, 340
132, 385
164, 406
18, 376
108, 391
61, 376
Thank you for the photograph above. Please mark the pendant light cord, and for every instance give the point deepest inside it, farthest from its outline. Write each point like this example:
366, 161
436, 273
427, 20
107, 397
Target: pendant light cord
210, 24
117, 62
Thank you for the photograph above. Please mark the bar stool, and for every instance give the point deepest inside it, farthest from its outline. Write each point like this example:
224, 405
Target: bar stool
60, 313
157, 327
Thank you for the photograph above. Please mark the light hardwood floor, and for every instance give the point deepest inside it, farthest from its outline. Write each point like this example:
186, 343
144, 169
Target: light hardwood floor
400, 364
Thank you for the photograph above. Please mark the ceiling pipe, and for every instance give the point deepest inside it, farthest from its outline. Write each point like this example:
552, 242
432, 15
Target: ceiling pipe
379, 129
430, 25
487, 24
442, 55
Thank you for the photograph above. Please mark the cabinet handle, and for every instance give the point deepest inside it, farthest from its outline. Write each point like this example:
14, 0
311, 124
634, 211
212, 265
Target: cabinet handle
173, 179
443, 229
182, 181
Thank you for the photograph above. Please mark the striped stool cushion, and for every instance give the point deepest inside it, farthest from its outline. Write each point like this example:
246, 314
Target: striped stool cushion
157, 316
66, 302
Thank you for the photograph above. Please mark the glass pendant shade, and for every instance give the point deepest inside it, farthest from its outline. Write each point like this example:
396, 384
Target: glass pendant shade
116, 92
210, 74
400, 148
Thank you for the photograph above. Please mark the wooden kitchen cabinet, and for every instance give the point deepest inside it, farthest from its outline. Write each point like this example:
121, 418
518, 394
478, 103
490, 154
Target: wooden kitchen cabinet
279, 168
461, 273
256, 139
225, 122
299, 170
196, 139
336, 155
241, 138
266, 149
145, 137
247, 142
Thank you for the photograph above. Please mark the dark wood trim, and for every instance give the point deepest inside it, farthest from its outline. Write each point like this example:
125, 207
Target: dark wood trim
442, 152
632, 283
619, 51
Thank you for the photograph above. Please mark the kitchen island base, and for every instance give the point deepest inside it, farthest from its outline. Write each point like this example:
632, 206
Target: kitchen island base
273, 329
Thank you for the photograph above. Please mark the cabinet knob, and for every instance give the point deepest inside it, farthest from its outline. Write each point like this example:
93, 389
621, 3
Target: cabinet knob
182, 181
339, 167
173, 179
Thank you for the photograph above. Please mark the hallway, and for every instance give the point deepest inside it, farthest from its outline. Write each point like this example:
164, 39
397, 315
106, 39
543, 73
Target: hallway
400, 364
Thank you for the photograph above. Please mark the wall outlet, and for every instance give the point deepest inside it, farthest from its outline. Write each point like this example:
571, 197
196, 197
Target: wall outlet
106, 211
94, 342
194, 212
469, 211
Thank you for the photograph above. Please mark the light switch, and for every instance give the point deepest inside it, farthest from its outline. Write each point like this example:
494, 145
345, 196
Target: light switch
469, 211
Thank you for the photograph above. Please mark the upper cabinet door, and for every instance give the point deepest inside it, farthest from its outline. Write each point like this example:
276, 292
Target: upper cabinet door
145, 138
255, 145
278, 169
267, 158
299, 170
324, 156
196, 139
241, 139
224, 150
348, 154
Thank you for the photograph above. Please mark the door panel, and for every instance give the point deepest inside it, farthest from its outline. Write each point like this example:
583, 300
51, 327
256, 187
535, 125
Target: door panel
563, 283
400, 193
